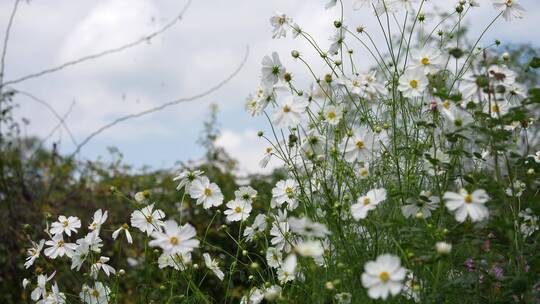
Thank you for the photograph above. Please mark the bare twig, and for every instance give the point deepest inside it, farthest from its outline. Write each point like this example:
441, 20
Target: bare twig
59, 125
6, 41
163, 106
52, 110
3, 57
106, 52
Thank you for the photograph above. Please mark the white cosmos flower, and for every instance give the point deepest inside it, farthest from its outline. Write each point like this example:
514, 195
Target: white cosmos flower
185, 178
267, 156
422, 205
178, 261
290, 112
305, 227
383, 277
80, 254
65, 225
337, 41
413, 83
456, 116
502, 75
361, 146
330, 4
33, 253
497, 108
333, 114
312, 249
147, 219
285, 192
272, 293
536, 157
359, 4
101, 264
259, 225
213, 265
125, 228
343, 298
206, 193
246, 193
367, 203
99, 219
280, 236
58, 248
287, 271
401, 5
511, 9
239, 210
371, 86
467, 204
255, 296
529, 222
174, 238
280, 22
274, 257
429, 60
272, 70
55, 296
41, 289
98, 294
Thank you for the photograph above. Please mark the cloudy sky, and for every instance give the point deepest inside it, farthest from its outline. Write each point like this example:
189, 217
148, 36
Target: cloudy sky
195, 54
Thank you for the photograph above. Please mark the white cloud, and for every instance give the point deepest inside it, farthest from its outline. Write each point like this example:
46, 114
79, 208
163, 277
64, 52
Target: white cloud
248, 149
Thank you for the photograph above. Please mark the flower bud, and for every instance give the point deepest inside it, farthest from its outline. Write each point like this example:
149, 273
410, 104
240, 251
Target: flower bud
337, 23
328, 78
443, 248
295, 54
329, 285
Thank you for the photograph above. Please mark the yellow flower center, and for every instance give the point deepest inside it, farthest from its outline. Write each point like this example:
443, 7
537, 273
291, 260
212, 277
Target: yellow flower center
366, 201
468, 198
413, 84
149, 218
384, 276
364, 172
286, 109
268, 150
173, 240
425, 61
331, 115
237, 209
509, 3
207, 191
360, 144
289, 192
125, 226
355, 83
65, 223
146, 193
446, 104
60, 243
95, 293
495, 108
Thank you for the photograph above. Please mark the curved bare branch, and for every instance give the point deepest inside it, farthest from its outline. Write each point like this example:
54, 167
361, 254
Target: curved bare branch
163, 106
103, 53
51, 109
